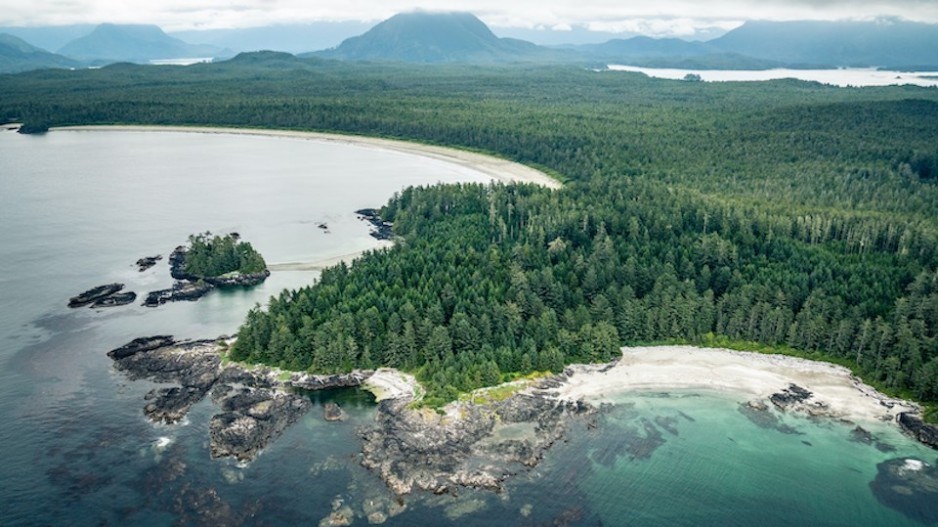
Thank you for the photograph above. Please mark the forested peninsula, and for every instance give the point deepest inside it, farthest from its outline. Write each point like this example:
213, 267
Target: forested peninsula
786, 215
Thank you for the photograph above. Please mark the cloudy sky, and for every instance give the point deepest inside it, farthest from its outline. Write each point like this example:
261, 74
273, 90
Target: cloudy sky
657, 17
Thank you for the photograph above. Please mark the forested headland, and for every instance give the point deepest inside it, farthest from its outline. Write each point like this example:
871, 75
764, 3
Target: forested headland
782, 213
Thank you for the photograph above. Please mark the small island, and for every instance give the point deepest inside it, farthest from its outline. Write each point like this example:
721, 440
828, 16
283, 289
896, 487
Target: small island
219, 260
209, 262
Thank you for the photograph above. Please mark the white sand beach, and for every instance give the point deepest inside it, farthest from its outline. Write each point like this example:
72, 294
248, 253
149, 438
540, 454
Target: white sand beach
496, 168
751, 375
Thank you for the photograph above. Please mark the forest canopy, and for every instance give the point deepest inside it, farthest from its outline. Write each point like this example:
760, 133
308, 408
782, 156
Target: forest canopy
213, 256
784, 213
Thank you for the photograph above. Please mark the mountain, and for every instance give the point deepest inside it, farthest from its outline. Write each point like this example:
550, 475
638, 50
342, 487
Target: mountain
133, 43
49, 37
883, 42
645, 47
425, 37
17, 55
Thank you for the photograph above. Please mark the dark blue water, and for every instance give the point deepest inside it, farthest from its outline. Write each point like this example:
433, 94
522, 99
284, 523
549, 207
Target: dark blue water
78, 208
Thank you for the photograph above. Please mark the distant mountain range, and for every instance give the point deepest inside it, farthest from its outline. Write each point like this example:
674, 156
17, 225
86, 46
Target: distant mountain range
133, 43
424, 37
17, 55
435, 37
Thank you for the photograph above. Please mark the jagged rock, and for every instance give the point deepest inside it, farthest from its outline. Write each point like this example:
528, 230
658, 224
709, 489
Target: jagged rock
421, 450
117, 299
181, 291
332, 412
920, 430
251, 419
324, 382
790, 396
381, 229
94, 294
147, 262
141, 344
170, 405
177, 264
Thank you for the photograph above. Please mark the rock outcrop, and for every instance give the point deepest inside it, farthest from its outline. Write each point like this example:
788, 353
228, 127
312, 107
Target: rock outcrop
147, 262
380, 229
920, 430
418, 449
95, 294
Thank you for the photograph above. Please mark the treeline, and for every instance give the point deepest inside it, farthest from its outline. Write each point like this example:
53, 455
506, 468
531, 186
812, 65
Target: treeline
213, 256
491, 281
782, 212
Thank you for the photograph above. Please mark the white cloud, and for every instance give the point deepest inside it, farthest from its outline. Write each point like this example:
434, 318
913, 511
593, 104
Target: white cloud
662, 17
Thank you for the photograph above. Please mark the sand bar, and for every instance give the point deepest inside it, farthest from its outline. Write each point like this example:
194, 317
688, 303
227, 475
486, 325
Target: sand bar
496, 168
751, 375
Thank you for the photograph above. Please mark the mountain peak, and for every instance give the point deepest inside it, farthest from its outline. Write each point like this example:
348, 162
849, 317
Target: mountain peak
132, 42
428, 36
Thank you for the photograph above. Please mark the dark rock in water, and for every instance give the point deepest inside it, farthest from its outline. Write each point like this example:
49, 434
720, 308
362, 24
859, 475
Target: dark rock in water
332, 412
147, 262
194, 365
117, 299
139, 345
381, 229
177, 264
190, 291
862, 435
170, 405
94, 294
920, 430
909, 486
668, 424
181, 291
762, 416
792, 395
158, 298
252, 418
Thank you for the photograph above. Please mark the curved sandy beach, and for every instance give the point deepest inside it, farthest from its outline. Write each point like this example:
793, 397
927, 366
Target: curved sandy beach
751, 375
498, 169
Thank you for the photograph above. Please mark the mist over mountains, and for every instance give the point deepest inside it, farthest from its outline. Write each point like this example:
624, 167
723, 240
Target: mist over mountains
427, 38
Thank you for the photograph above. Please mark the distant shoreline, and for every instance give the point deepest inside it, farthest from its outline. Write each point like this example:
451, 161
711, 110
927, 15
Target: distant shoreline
496, 168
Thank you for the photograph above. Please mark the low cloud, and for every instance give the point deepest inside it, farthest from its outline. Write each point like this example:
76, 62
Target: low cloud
664, 17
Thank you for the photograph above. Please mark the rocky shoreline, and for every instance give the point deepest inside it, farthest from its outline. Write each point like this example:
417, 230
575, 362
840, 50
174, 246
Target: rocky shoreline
256, 404
466, 447
477, 446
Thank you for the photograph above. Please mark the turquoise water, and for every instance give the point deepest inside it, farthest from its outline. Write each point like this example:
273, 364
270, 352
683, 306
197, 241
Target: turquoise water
78, 208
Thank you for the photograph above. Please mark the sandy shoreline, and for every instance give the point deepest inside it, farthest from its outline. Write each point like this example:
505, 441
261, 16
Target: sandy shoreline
751, 375
498, 169
319, 265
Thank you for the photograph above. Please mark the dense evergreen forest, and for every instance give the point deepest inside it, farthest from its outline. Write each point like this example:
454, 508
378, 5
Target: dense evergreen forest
784, 213
213, 256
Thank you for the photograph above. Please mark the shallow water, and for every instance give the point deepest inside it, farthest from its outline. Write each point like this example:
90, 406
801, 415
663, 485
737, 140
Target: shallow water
842, 77
78, 208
